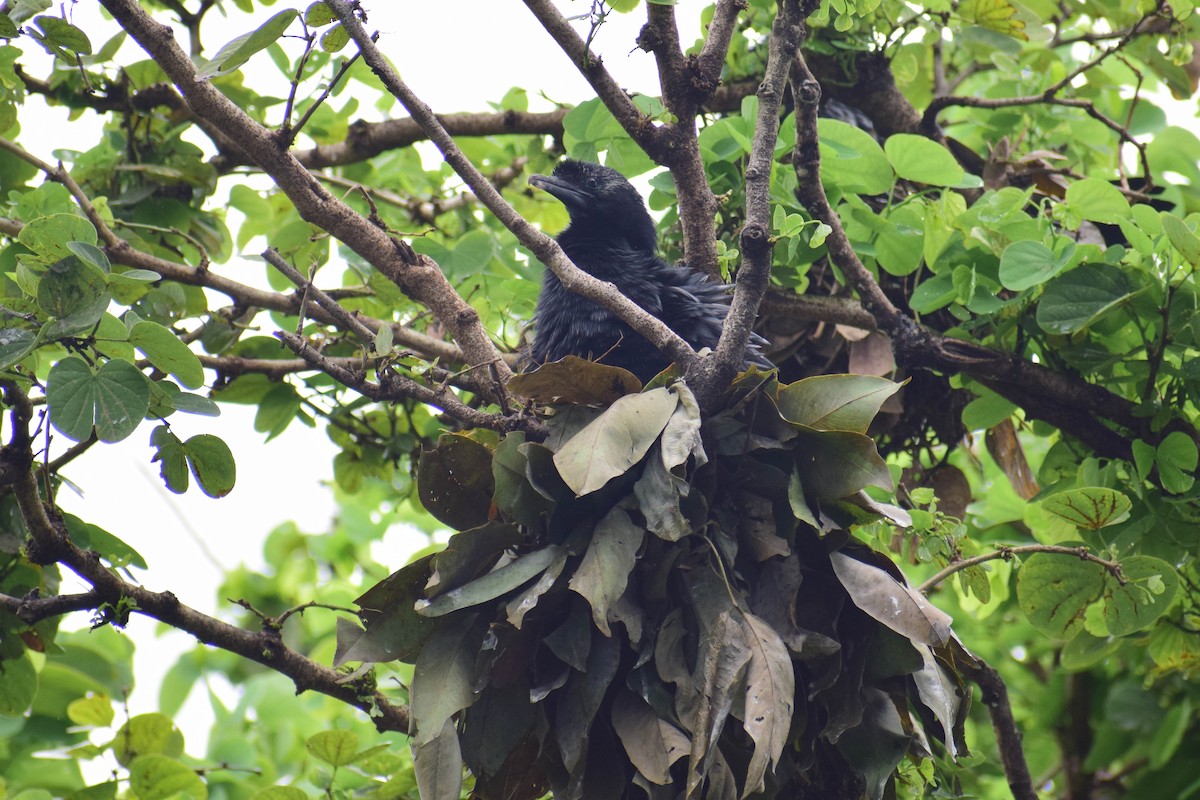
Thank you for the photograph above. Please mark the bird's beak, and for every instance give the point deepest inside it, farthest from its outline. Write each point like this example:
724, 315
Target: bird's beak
568, 194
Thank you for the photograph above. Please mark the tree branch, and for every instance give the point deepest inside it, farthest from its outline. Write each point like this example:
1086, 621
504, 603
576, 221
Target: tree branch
545, 248
417, 275
1008, 553
50, 543
754, 274
1068, 402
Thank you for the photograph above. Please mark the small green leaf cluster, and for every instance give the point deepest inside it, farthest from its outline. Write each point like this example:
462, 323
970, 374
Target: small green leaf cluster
638, 602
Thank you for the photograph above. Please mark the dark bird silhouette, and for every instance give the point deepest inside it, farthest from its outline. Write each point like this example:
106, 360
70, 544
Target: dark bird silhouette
612, 236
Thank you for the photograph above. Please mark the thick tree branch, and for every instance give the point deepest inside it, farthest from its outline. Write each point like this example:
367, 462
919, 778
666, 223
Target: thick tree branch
32, 608
243, 295
754, 273
545, 248
1076, 406
393, 386
994, 695
640, 127
696, 201
417, 275
368, 139
50, 543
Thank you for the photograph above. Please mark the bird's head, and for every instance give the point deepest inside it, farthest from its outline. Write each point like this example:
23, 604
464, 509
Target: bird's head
600, 198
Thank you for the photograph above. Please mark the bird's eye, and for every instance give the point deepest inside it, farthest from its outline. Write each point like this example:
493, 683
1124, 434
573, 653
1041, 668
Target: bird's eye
592, 183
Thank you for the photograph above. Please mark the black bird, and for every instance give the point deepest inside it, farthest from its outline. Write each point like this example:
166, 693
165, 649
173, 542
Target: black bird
612, 236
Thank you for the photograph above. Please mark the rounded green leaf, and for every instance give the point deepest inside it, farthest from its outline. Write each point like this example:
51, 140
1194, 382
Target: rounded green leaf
1149, 589
147, 734
455, 483
73, 290
1090, 508
18, 685
1082, 296
167, 352
335, 748
114, 399
1026, 264
1097, 200
63, 34
156, 777
1177, 458
1054, 592
212, 463
15, 344
916, 158
334, 39
852, 160
50, 236
95, 710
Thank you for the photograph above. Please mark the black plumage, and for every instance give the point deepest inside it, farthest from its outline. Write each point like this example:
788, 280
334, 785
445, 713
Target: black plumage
612, 236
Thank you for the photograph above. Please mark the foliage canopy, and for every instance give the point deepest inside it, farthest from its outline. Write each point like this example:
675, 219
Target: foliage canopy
969, 232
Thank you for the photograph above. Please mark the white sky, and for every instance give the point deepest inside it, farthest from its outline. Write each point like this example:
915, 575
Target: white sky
455, 62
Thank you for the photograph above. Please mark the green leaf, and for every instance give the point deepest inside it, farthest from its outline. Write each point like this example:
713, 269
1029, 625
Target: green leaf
15, 344
1074, 301
438, 765
1054, 592
1097, 200
986, 410
455, 483
394, 630
147, 734
335, 748
835, 402
603, 574
92, 537
492, 585
212, 464
18, 687
172, 466
335, 39
837, 464
157, 777
1176, 459
114, 399
852, 160
1182, 238
238, 51
318, 14
614, 441
1090, 508
50, 236
443, 677
74, 292
63, 34
1026, 264
916, 158
95, 710
1149, 590
168, 353
577, 381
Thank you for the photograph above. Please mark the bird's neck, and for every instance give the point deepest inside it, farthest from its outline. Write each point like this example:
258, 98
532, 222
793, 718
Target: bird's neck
582, 238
